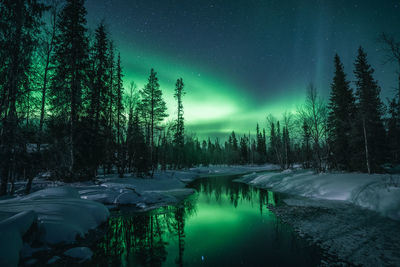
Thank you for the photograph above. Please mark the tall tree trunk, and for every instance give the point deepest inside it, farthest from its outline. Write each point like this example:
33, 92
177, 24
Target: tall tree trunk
72, 124
49, 51
366, 147
41, 121
152, 134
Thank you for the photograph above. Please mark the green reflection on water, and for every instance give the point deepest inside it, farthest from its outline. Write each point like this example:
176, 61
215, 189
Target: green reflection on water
225, 223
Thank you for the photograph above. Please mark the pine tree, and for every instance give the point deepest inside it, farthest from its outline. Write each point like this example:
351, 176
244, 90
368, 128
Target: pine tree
140, 152
120, 118
109, 109
179, 124
286, 146
132, 103
260, 145
369, 130
278, 144
273, 143
154, 108
341, 113
97, 98
243, 150
70, 78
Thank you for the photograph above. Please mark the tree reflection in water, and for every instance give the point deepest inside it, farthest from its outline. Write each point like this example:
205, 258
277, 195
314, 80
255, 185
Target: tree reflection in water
157, 237
141, 238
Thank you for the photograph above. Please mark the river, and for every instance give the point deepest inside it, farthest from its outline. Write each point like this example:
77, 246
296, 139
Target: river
224, 224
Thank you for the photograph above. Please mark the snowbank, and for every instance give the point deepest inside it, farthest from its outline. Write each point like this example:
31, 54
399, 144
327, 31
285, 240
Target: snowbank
142, 193
377, 192
234, 169
11, 231
81, 253
59, 212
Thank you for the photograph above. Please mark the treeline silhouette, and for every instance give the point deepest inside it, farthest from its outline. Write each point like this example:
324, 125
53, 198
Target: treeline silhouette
64, 110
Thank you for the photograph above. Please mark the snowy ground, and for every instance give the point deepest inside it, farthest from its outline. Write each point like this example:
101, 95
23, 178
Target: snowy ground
377, 192
58, 214
354, 217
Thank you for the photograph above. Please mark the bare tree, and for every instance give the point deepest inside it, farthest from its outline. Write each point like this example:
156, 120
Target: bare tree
391, 47
314, 113
48, 41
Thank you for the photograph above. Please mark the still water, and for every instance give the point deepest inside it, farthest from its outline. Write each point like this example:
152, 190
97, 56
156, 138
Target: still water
224, 224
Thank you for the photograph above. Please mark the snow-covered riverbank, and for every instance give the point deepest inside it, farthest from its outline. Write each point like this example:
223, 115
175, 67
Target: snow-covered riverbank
377, 192
57, 216
354, 217
60, 213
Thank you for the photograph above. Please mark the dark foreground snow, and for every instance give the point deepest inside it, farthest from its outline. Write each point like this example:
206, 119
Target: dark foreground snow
58, 214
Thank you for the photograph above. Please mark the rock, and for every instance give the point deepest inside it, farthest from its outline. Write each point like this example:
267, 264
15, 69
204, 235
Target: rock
53, 260
82, 253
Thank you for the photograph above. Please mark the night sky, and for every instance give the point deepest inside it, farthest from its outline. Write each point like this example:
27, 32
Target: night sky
243, 59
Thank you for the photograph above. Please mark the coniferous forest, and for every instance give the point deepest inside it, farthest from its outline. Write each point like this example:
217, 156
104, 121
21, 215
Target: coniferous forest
65, 110
199, 133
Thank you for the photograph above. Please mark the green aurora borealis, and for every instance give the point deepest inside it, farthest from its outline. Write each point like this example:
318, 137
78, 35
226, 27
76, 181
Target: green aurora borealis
213, 105
243, 60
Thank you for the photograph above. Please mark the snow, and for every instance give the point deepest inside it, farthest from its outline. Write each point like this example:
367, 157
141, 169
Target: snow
347, 232
57, 210
64, 212
233, 169
82, 253
53, 260
60, 214
354, 217
142, 193
11, 231
374, 192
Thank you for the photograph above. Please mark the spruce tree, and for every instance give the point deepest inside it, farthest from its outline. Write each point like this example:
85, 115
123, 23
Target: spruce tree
120, 118
140, 153
97, 98
369, 139
179, 124
286, 146
70, 78
154, 108
243, 150
341, 113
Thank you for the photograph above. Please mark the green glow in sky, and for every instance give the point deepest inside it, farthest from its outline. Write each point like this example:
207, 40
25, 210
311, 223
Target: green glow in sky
214, 104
